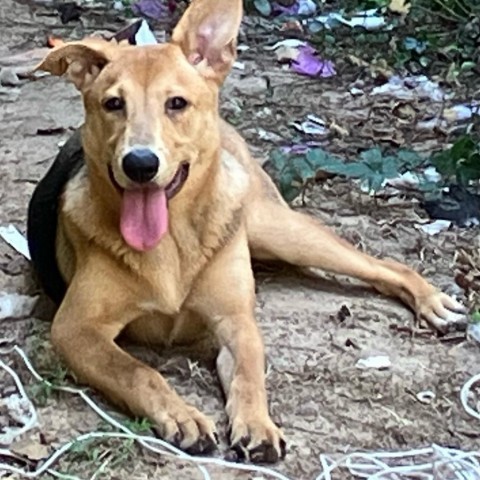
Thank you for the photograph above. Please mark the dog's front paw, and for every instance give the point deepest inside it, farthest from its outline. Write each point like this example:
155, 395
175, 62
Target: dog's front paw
185, 427
257, 439
443, 312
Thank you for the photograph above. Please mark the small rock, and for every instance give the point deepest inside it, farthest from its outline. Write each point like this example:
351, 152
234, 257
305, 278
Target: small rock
251, 86
8, 77
13, 305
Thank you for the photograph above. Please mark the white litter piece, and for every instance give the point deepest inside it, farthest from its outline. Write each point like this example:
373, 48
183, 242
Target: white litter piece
289, 42
118, 5
268, 136
20, 408
413, 180
405, 180
473, 331
435, 227
426, 397
312, 126
368, 19
431, 174
461, 112
356, 92
239, 65
15, 239
144, 35
432, 124
306, 7
13, 305
378, 362
409, 88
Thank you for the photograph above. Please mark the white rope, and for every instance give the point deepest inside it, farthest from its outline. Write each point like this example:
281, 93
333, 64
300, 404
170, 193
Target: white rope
375, 465
17, 405
466, 389
370, 465
148, 442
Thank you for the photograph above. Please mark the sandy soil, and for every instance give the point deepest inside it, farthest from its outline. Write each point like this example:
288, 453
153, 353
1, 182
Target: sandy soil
315, 328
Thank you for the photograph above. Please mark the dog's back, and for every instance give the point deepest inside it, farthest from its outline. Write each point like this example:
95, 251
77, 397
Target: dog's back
43, 212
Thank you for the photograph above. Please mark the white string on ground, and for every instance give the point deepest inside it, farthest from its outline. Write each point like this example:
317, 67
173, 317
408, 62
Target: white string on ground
371, 465
464, 393
456, 464
148, 442
20, 407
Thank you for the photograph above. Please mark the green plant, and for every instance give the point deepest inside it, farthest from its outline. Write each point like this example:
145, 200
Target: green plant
139, 425
40, 392
461, 163
372, 168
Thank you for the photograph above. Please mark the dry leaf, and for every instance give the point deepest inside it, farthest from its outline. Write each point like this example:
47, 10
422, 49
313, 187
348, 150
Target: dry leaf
31, 449
400, 6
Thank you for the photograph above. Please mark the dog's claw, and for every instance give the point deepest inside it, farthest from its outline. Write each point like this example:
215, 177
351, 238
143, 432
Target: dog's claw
204, 445
260, 443
266, 452
188, 429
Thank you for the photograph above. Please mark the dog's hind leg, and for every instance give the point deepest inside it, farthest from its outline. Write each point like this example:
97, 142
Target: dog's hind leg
278, 233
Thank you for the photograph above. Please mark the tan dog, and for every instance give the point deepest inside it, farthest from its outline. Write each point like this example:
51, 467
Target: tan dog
157, 229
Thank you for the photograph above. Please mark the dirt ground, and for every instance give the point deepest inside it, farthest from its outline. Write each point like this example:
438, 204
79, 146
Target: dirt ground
315, 328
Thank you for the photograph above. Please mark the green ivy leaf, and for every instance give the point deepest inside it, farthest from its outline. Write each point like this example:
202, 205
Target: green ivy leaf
390, 167
279, 160
353, 170
375, 182
264, 7
408, 159
290, 186
373, 158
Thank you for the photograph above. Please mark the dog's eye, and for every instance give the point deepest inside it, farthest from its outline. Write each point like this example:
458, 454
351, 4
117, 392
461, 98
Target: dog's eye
176, 103
114, 104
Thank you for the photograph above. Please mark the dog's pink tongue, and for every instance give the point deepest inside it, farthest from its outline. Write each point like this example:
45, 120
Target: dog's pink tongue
144, 217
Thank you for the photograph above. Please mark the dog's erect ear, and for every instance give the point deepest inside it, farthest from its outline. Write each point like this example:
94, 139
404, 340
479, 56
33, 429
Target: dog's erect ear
82, 61
207, 34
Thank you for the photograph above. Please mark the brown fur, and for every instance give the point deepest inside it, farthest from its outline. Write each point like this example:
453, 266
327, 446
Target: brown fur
199, 276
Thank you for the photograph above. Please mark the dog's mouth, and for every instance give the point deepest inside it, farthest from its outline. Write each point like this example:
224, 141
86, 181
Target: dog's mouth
171, 189
144, 209
178, 180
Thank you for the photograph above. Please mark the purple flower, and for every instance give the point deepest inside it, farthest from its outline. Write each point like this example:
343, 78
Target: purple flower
299, 7
155, 9
307, 63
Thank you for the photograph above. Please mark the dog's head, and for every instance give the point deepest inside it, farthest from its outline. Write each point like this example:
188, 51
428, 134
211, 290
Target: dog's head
151, 112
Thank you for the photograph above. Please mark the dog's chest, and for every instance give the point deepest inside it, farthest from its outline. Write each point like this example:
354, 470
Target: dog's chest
164, 282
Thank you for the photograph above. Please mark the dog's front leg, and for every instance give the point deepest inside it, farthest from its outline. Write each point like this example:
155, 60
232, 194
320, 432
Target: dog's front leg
225, 296
99, 303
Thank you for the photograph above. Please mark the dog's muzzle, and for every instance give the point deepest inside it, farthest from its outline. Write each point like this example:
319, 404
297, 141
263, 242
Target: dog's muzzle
140, 165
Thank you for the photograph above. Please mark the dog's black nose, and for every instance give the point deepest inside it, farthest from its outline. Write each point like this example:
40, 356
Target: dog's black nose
140, 165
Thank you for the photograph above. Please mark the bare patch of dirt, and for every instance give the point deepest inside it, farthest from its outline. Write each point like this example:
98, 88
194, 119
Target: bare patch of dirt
315, 326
